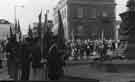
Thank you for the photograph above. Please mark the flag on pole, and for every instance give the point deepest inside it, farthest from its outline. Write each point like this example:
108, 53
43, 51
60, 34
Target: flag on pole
15, 27
61, 34
40, 32
18, 27
45, 37
11, 32
30, 32
46, 22
19, 33
40, 24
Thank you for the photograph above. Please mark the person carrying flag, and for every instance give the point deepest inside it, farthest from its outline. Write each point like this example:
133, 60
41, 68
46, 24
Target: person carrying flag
56, 53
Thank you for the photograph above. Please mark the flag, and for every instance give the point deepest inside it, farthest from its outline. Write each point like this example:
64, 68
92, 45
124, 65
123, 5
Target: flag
45, 27
61, 36
19, 33
47, 36
40, 24
18, 27
40, 31
15, 27
46, 22
11, 32
30, 32
44, 38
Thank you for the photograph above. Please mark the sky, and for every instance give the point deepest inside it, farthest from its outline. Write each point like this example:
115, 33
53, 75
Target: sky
29, 13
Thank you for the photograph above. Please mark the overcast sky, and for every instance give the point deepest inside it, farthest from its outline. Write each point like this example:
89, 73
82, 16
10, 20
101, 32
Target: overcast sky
31, 9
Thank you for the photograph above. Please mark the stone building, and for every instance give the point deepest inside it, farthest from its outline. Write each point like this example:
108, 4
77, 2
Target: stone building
4, 28
86, 18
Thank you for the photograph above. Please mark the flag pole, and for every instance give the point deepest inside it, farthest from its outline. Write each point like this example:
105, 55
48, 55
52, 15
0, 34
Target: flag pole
43, 60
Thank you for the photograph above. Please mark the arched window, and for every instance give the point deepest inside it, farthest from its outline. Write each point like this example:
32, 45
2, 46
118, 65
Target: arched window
92, 12
80, 28
80, 12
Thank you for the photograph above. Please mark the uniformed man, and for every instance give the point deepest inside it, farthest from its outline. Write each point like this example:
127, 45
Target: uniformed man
26, 58
55, 61
36, 58
12, 47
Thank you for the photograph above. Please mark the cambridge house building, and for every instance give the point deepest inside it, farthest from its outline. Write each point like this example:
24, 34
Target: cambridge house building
85, 19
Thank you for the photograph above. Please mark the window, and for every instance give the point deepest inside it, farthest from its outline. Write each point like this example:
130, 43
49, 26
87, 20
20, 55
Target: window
80, 29
108, 12
104, 14
65, 13
80, 12
92, 12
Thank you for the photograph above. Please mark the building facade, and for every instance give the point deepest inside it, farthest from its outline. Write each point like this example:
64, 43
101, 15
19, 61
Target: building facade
86, 18
4, 29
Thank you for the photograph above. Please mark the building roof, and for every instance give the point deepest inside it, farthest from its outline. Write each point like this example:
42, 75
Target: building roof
3, 21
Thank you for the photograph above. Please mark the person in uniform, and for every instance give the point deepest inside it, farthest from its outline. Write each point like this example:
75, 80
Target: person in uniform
26, 58
36, 58
12, 48
55, 61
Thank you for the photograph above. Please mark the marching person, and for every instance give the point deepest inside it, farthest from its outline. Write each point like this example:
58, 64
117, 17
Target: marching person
12, 48
36, 59
26, 58
55, 61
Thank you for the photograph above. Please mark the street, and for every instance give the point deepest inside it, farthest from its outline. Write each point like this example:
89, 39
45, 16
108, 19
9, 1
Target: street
4, 74
87, 72
123, 74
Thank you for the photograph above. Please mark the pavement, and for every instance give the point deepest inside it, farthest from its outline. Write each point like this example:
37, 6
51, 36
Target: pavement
73, 78
3, 69
82, 70
4, 74
85, 71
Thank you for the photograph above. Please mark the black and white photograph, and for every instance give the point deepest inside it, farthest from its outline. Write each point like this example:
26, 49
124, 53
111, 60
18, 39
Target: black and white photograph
67, 40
